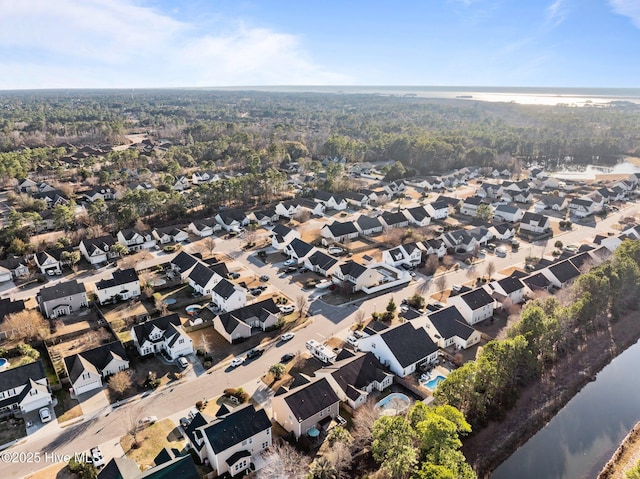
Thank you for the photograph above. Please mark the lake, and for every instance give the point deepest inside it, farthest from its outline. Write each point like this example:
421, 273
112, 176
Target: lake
582, 437
590, 171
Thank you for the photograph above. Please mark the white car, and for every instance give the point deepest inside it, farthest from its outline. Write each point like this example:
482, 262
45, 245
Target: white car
290, 262
235, 362
45, 414
352, 340
147, 420
287, 308
183, 363
95, 457
287, 336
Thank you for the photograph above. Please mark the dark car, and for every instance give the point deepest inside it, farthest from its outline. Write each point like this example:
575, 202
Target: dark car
255, 291
264, 278
233, 275
254, 353
287, 357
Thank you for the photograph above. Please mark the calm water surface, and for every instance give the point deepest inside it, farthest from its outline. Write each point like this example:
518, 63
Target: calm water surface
581, 438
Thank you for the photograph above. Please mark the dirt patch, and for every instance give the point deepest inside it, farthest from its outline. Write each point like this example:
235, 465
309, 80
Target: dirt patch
488, 447
67, 408
11, 429
151, 441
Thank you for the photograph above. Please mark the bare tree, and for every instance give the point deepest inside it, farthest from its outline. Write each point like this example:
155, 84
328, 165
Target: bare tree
359, 318
120, 382
490, 269
341, 458
284, 462
431, 265
209, 245
441, 284
27, 324
363, 420
132, 421
301, 305
447, 260
302, 216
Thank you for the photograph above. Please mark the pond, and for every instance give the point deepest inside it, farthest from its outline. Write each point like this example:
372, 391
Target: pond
582, 437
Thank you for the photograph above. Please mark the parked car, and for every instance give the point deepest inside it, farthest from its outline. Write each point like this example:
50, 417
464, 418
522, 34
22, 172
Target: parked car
287, 357
287, 308
290, 262
255, 291
287, 336
95, 457
184, 422
45, 414
183, 363
290, 269
352, 340
264, 278
233, 275
254, 353
529, 267
147, 420
303, 270
235, 362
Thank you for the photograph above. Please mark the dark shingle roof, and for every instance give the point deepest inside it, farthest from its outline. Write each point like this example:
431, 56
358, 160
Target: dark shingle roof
510, 284
234, 428
120, 468
322, 260
359, 372
393, 218
536, 281
477, 298
98, 357
408, 344
120, 277
351, 268
368, 223
310, 399
224, 288
564, 271
201, 275
13, 378
301, 248
183, 261
181, 467
260, 310
341, 229
9, 307
450, 323
60, 290
142, 331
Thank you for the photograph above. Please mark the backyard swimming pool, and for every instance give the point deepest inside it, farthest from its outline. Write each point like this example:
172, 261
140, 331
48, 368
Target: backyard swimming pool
393, 404
432, 383
3, 363
193, 309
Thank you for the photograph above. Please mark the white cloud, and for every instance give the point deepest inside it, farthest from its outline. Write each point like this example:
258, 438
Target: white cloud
628, 8
122, 43
556, 12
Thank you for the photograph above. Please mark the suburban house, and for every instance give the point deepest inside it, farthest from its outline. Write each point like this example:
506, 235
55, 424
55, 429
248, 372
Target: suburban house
238, 323
162, 335
183, 263
47, 264
503, 231
26, 185
227, 296
537, 282
392, 219
233, 442
263, 217
418, 216
438, 210
86, 370
368, 226
475, 305
491, 191
561, 274
204, 177
534, 223
99, 193
401, 348
524, 196
447, 327
231, 220
306, 409
355, 377
181, 184
136, 240
98, 250
123, 285
512, 214
298, 249
470, 205
204, 228
203, 278
357, 199
62, 298
339, 232
395, 187
17, 265
24, 389
170, 234
52, 198
407, 254
357, 275
426, 183
582, 207
7, 307
282, 235
510, 287
378, 196
330, 201
467, 240
550, 202
168, 463
321, 263
433, 246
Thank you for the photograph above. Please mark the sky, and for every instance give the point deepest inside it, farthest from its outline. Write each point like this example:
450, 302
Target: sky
209, 43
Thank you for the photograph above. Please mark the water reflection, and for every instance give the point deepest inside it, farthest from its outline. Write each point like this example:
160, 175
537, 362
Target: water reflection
581, 438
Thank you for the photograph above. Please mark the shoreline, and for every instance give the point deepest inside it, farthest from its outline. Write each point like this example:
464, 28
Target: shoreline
625, 457
540, 402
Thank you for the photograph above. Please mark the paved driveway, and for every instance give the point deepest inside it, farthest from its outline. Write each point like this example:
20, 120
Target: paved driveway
94, 403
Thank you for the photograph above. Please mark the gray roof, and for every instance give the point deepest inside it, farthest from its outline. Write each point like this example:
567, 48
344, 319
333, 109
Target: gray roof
201, 274
477, 298
322, 260
142, 331
260, 310
236, 427
310, 399
450, 323
96, 359
120, 277
224, 288
408, 344
61, 290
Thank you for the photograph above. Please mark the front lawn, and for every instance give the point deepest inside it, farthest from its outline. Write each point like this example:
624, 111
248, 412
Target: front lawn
67, 408
151, 440
11, 429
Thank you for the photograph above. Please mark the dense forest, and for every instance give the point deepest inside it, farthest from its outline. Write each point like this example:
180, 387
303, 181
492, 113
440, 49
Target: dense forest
256, 131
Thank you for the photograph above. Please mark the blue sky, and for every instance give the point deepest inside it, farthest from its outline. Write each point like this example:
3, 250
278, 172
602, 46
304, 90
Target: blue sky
197, 43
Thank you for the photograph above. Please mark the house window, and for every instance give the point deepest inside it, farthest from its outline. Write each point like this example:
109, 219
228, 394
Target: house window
265, 445
244, 443
321, 413
181, 341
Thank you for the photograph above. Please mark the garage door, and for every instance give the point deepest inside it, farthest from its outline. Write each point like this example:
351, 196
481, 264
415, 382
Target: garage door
80, 389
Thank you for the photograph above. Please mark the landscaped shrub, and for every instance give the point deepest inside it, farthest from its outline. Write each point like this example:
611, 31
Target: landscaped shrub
26, 350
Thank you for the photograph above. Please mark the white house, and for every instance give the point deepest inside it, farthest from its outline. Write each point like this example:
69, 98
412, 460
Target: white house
503, 231
47, 264
204, 228
163, 334
408, 254
321, 263
232, 220
239, 323
227, 296
136, 240
330, 201
534, 223
123, 285
263, 217
550, 202
339, 232
401, 348
24, 388
282, 235
203, 279
357, 275
234, 441
418, 216
582, 207
298, 249
475, 305
368, 226
99, 193
512, 214
433, 246
181, 184
98, 250
561, 274
393, 219
509, 287
438, 210
356, 198
170, 234
447, 327
88, 369
470, 205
